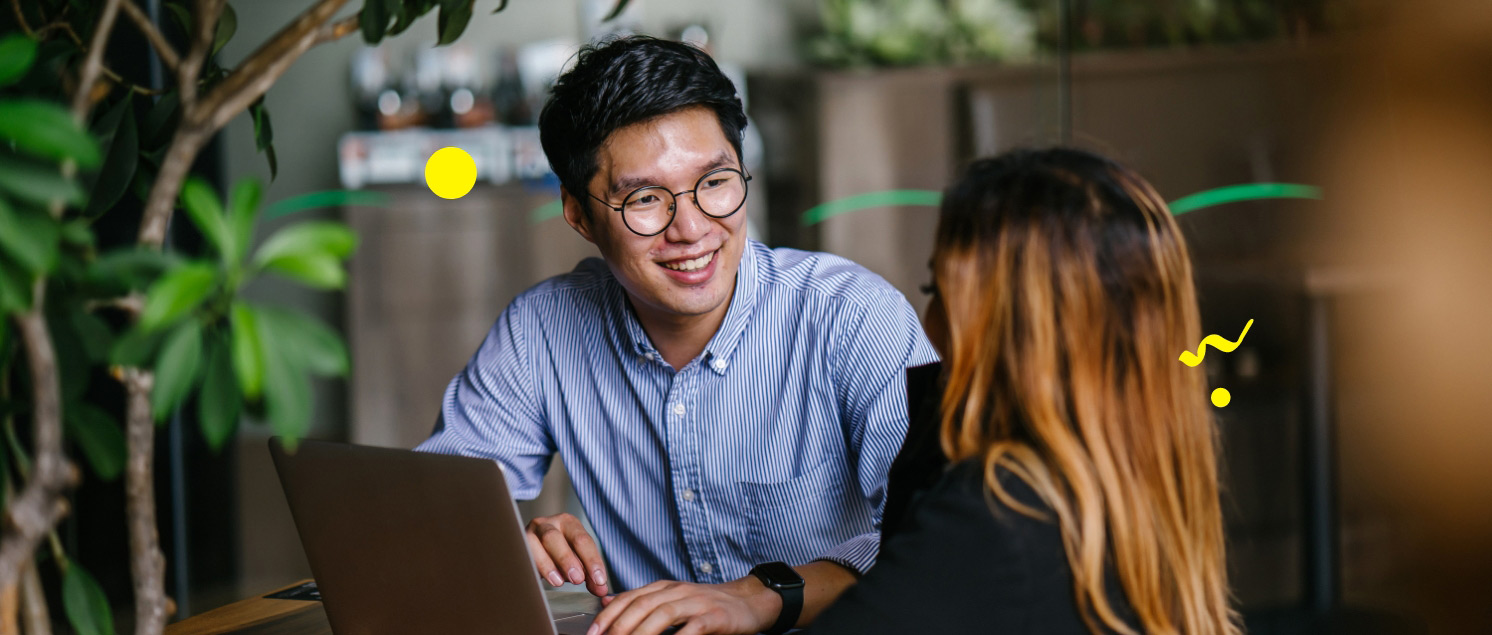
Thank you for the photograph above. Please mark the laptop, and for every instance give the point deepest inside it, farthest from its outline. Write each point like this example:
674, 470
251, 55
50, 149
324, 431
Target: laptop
409, 542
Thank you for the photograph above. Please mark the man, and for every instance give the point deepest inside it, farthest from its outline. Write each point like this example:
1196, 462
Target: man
720, 406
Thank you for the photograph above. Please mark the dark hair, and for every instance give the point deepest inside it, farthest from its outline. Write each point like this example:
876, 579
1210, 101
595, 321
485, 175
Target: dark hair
622, 82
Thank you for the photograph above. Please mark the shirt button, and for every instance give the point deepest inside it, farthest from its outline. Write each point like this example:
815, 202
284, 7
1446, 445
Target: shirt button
704, 567
719, 364
688, 495
678, 409
649, 356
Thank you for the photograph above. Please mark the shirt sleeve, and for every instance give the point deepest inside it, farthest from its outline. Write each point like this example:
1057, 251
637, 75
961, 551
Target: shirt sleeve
869, 372
491, 408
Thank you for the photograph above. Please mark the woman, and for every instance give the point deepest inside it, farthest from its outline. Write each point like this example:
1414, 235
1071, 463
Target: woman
1083, 491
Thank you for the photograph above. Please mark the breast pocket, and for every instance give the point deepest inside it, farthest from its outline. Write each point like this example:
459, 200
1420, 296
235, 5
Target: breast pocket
799, 519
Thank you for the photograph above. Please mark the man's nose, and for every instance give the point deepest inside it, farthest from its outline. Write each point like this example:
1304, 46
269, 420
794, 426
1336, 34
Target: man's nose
690, 224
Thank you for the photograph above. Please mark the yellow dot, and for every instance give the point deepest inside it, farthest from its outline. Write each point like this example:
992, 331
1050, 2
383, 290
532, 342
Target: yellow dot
1220, 397
450, 173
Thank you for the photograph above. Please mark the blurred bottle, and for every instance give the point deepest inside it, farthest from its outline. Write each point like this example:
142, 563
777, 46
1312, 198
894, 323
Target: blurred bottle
466, 84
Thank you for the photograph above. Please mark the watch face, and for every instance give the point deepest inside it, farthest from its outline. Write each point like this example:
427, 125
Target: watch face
778, 575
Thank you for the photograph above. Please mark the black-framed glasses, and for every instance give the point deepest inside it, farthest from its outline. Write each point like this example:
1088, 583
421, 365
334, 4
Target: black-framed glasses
647, 211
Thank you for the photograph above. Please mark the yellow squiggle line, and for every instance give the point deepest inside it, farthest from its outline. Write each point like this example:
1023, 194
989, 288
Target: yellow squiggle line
1217, 342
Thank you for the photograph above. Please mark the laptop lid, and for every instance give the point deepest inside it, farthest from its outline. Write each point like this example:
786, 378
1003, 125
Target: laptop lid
410, 542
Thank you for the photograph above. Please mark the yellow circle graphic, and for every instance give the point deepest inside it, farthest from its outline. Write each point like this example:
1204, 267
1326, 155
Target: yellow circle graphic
1221, 397
450, 173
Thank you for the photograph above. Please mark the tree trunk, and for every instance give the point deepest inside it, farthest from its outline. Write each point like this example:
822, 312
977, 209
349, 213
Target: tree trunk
147, 563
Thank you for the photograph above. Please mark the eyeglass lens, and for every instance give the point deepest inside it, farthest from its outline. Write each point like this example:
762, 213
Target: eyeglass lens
719, 194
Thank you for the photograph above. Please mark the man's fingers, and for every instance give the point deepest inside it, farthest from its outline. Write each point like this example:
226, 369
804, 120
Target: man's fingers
649, 599
542, 562
618, 605
559, 549
662, 616
590, 557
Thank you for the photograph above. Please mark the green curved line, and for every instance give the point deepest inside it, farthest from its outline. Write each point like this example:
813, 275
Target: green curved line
819, 213
1235, 193
1193, 202
326, 198
552, 209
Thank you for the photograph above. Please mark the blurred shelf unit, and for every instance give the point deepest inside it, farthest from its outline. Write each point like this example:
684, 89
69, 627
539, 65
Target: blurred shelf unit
502, 154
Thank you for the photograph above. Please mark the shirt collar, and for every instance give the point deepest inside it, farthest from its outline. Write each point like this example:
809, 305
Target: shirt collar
717, 354
722, 346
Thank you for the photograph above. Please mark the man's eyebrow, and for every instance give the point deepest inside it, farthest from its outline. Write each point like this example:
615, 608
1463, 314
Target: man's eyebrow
627, 184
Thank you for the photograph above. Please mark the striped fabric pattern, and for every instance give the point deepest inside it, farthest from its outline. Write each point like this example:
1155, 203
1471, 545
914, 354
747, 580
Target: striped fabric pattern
772, 445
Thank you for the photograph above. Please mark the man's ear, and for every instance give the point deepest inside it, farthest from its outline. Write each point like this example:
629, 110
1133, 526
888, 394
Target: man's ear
576, 215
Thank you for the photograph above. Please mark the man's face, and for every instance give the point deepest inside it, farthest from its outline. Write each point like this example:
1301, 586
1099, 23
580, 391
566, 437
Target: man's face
690, 268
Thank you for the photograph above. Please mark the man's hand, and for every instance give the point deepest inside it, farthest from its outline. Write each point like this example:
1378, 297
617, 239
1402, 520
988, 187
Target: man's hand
563, 551
741, 607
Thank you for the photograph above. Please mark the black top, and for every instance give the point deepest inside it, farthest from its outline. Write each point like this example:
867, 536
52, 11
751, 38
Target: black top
921, 462
953, 559
962, 562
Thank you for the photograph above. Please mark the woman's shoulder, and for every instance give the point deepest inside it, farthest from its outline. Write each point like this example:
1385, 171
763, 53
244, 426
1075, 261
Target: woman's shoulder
966, 483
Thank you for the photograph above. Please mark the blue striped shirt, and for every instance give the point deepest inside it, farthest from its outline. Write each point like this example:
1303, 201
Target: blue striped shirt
772, 445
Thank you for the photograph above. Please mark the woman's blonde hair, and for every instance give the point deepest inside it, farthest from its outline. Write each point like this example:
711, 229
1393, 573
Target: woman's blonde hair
1067, 293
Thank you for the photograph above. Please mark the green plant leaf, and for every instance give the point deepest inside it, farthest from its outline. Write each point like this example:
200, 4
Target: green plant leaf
227, 26
206, 211
94, 334
86, 605
318, 271
37, 184
70, 351
243, 210
160, 122
176, 368
29, 237
136, 348
264, 135
287, 391
621, 5
130, 269
177, 293
248, 354
502, 4
221, 402
17, 52
404, 15
373, 20
119, 164
454, 16
15, 288
99, 436
77, 233
46, 129
308, 342
312, 238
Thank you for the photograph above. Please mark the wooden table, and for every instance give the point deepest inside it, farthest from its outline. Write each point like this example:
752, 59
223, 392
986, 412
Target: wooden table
259, 615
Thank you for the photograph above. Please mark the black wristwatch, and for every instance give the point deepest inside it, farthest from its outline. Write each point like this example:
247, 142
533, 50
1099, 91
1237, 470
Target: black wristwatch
788, 584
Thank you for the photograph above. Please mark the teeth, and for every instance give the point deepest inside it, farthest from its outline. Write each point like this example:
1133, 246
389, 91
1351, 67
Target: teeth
691, 265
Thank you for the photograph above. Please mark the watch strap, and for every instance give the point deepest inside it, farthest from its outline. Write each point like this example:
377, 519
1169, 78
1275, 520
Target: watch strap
792, 606
792, 596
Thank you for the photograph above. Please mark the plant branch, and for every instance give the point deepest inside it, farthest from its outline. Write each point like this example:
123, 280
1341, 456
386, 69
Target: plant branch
15, 5
40, 504
207, 14
338, 30
147, 563
93, 65
200, 120
34, 614
169, 56
263, 68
